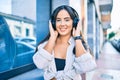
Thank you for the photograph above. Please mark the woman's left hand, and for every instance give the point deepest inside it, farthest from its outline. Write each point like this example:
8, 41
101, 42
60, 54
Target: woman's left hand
76, 32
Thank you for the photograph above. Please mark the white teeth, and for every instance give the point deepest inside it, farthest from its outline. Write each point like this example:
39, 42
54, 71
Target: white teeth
62, 29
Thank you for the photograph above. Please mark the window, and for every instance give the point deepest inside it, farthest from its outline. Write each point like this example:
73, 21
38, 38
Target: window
27, 32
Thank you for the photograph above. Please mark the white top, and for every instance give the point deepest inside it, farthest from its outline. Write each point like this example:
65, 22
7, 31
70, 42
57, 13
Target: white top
73, 68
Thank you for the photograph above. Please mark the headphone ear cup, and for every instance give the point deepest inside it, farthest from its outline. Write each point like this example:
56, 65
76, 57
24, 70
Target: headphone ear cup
75, 22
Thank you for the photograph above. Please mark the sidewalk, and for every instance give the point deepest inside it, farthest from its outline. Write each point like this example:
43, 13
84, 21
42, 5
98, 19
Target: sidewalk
103, 74
108, 65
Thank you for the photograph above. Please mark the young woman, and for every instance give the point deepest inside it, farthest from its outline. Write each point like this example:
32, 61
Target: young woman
62, 55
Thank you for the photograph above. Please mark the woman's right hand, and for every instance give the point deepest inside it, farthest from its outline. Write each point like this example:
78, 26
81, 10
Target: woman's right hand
53, 33
51, 42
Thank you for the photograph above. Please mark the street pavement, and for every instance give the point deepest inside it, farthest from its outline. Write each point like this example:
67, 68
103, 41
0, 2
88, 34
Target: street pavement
108, 65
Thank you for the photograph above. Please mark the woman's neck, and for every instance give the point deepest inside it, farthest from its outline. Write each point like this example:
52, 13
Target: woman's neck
63, 39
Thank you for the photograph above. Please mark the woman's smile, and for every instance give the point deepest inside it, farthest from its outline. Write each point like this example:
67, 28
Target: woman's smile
63, 29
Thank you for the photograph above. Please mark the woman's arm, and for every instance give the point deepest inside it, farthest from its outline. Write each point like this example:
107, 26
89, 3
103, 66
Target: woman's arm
51, 42
44, 56
50, 45
84, 63
80, 50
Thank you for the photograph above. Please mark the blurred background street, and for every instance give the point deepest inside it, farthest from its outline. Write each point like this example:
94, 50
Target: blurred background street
24, 23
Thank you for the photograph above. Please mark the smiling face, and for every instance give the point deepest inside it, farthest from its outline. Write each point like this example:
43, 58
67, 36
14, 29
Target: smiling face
64, 23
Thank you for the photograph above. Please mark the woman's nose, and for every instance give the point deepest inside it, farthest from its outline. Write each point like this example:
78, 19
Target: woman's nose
63, 23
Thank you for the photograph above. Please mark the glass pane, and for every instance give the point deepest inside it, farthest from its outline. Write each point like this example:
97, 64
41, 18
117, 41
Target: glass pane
7, 47
24, 54
16, 48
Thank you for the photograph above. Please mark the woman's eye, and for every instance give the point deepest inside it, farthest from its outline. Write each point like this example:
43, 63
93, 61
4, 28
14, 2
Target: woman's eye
67, 20
58, 20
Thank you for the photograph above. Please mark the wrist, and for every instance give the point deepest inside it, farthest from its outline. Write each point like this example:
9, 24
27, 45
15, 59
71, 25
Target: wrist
52, 39
78, 38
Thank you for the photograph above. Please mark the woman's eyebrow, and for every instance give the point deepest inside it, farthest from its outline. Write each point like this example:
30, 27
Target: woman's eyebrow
64, 18
58, 18
67, 18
